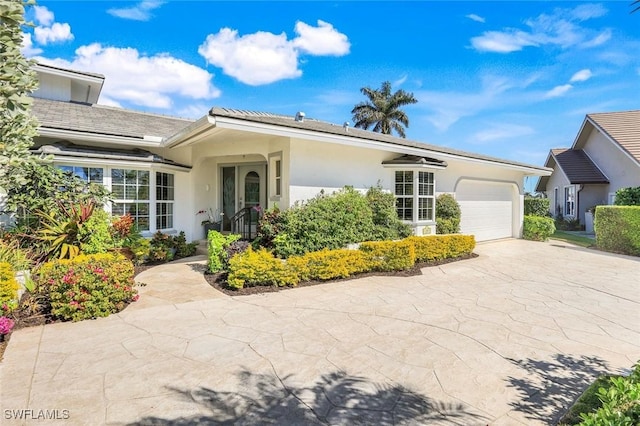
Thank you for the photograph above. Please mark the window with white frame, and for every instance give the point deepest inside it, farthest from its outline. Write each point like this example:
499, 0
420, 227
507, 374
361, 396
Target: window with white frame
570, 201
88, 174
164, 200
131, 195
415, 195
275, 172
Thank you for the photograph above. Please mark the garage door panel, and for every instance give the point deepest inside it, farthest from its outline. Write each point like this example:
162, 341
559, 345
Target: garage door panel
487, 209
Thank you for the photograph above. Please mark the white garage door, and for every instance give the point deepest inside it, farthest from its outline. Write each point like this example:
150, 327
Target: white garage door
487, 209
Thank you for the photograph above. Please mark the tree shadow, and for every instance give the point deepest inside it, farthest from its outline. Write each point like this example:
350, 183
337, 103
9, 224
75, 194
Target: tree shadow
336, 398
550, 387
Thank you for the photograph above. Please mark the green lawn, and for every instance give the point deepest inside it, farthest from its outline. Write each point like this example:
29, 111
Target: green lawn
574, 239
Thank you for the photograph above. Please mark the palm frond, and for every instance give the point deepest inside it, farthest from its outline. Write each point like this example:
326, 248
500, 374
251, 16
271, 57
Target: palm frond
635, 3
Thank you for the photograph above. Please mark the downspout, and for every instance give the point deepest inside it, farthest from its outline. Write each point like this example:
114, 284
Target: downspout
581, 187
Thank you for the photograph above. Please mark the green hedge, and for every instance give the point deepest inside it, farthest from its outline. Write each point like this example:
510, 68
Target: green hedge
618, 229
262, 268
628, 196
537, 228
536, 206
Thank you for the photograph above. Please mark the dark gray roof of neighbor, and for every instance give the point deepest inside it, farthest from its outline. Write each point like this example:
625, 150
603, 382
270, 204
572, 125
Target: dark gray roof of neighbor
310, 124
578, 167
71, 150
104, 120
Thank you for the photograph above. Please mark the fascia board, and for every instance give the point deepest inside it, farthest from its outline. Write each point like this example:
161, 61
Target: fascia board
270, 129
96, 137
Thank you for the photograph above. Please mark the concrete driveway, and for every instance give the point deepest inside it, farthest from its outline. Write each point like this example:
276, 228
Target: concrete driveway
511, 337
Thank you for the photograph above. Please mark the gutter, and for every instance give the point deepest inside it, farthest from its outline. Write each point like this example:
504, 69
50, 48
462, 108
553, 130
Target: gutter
95, 137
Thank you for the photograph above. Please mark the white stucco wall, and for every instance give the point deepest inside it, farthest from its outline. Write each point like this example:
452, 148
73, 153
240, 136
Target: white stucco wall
53, 87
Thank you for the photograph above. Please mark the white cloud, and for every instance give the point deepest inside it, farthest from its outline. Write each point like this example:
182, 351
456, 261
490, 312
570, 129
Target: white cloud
323, 40
139, 12
582, 75
558, 91
149, 81
503, 41
264, 57
446, 108
56, 33
561, 28
502, 131
43, 15
475, 17
400, 81
27, 48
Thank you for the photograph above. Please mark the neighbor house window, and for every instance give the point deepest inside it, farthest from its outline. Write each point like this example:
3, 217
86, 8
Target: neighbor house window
131, 195
164, 200
88, 174
415, 195
570, 201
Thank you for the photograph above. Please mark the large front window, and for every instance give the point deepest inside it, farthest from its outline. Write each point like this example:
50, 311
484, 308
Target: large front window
164, 200
131, 195
415, 195
88, 174
570, 201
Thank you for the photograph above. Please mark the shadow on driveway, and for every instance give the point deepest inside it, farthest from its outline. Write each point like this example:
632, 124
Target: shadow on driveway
550, 387
336, 398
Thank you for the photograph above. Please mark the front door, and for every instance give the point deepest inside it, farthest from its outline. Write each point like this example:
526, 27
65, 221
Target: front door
251, 186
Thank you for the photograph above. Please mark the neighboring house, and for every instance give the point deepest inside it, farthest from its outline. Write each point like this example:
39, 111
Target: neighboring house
162, 170
605, 157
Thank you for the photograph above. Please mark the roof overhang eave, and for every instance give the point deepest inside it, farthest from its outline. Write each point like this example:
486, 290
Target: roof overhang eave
193, 133
74, 135
231, 123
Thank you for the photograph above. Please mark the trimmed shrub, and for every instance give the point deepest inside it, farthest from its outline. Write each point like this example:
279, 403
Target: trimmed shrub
618, 229
8, 284
390, 255
259, 268
386, 224
537, 228
217, 245
87, 286
437, 247
628, 196
536, 206
270, 225
329, 264
447, 215
326, 221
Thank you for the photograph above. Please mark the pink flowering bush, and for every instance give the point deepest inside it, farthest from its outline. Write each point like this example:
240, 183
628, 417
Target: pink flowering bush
87, 286
6, 325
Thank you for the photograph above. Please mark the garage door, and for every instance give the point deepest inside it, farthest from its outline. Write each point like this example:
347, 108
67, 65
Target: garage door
487, 209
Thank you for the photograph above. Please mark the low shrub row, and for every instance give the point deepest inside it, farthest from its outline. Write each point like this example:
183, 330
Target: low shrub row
261, 267
618, 229
87, 286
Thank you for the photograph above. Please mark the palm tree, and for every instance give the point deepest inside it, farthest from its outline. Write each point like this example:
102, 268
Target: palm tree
382, 110
635, 4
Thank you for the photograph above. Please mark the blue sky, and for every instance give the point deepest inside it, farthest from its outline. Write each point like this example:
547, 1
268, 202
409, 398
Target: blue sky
508, 79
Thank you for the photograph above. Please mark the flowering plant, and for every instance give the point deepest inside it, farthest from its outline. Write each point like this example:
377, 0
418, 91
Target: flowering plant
210, 216
6, 325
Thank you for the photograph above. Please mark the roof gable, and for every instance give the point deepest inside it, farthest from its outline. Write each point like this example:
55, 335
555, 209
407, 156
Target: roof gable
622, 128
577, 166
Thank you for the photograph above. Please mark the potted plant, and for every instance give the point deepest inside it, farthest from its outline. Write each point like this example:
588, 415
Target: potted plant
209, 224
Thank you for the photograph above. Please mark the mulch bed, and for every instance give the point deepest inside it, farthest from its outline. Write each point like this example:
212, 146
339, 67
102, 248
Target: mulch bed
219, 280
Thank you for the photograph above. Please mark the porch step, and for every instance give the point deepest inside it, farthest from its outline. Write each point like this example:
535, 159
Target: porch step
201, 248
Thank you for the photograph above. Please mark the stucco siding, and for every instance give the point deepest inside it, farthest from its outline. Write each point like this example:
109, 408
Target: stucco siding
556, 180
617, 166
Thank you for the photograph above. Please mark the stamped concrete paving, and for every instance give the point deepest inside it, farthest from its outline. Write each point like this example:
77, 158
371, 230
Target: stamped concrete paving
510, 337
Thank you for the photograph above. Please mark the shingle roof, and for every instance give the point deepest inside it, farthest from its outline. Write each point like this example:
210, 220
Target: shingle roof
334, 129
98, 119
578, 167
623, 127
